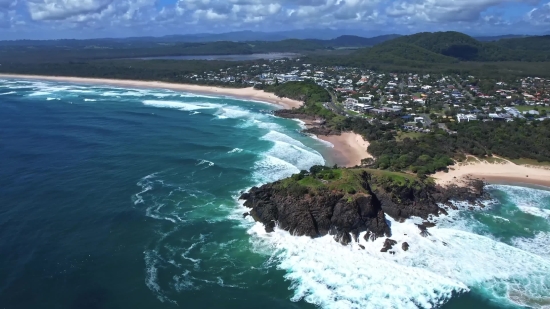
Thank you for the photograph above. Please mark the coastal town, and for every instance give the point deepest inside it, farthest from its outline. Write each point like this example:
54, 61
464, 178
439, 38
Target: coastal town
421, 101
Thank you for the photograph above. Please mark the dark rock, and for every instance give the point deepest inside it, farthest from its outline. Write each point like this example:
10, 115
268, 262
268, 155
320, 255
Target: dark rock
388, 244
245, 196
326, 212
423, 230
362, 247
246, 214
405, 246
345, 215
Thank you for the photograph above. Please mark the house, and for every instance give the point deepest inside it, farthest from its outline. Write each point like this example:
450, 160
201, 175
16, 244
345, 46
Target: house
419, 119
465, 117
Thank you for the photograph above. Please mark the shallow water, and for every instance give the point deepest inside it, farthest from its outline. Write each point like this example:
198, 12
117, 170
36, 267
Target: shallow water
117, 198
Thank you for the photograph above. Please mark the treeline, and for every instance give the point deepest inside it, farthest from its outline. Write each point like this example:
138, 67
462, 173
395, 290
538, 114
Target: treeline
150, 70
437, 150
513, 140
307, 91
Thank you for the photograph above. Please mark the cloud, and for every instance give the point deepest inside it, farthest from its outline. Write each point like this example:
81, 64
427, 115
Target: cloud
63, 9
540, 16
7, 4
446, 10
158, 17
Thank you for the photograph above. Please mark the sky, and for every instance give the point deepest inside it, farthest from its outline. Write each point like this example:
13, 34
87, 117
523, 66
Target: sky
55, 19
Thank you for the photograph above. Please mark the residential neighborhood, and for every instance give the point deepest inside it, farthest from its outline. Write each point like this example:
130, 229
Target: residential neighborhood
420, 100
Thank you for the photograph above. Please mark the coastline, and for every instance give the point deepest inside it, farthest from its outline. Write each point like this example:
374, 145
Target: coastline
505, 172
349, 148
242, 93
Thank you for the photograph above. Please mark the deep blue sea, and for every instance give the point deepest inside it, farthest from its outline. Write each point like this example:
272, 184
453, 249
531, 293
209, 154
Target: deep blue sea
127, 198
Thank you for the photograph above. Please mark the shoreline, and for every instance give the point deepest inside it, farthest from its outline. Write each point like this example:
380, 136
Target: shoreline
505, 172
349, 148
249, 93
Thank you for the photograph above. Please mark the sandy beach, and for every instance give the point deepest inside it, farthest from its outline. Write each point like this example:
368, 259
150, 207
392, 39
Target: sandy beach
241, 93
504, 172
349, 148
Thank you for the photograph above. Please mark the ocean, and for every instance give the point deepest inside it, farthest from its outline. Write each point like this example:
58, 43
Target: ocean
127, 198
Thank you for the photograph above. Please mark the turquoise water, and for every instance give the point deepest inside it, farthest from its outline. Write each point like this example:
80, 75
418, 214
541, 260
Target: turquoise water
126, 198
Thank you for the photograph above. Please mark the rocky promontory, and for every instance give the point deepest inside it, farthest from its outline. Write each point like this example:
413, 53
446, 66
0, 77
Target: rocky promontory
346, 202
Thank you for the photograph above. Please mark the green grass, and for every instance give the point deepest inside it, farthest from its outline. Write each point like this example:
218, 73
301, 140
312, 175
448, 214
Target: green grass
347, 181
402, 135
530, 162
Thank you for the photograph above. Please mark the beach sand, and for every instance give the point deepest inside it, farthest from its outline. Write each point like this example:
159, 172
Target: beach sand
504, 172
349, 149
241, 93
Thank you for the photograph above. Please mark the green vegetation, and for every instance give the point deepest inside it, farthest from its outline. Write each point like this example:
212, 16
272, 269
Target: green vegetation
427, 153
348, 181
308, 91
403, 135
524, 161
452, 52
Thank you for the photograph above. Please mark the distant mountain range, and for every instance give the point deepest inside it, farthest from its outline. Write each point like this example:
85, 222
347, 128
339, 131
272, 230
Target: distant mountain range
452, 47
410, 50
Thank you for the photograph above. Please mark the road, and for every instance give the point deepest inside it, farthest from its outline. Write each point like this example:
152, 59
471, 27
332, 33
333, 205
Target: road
333, 104
464, 92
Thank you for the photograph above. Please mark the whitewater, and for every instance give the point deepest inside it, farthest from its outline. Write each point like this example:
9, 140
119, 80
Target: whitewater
134, 194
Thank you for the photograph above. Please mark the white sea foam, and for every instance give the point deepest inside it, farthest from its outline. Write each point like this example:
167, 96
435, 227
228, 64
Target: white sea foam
233, 112
235, 150
328, 144
292, 151
90, 100
209, 163
52, 99
151, 276
9, 92
450, 261
181, 105
522, 196
270, 169
287, 156
535, 211
538, 245
39, 93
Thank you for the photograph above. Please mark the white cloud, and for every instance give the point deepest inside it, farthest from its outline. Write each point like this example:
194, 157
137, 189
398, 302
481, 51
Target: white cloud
540, 16
7, 4
187, 16
445, 10
63, 9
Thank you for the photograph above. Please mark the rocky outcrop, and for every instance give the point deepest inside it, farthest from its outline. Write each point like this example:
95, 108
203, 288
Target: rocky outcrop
321, 211
335, 213
388, 245
293, 114
405, 246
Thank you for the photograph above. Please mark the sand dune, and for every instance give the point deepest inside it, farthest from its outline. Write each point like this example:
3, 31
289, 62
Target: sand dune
502, 171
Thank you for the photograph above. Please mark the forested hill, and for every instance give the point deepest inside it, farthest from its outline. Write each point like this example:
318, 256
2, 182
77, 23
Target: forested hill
448, 47
355, 41
534, 43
